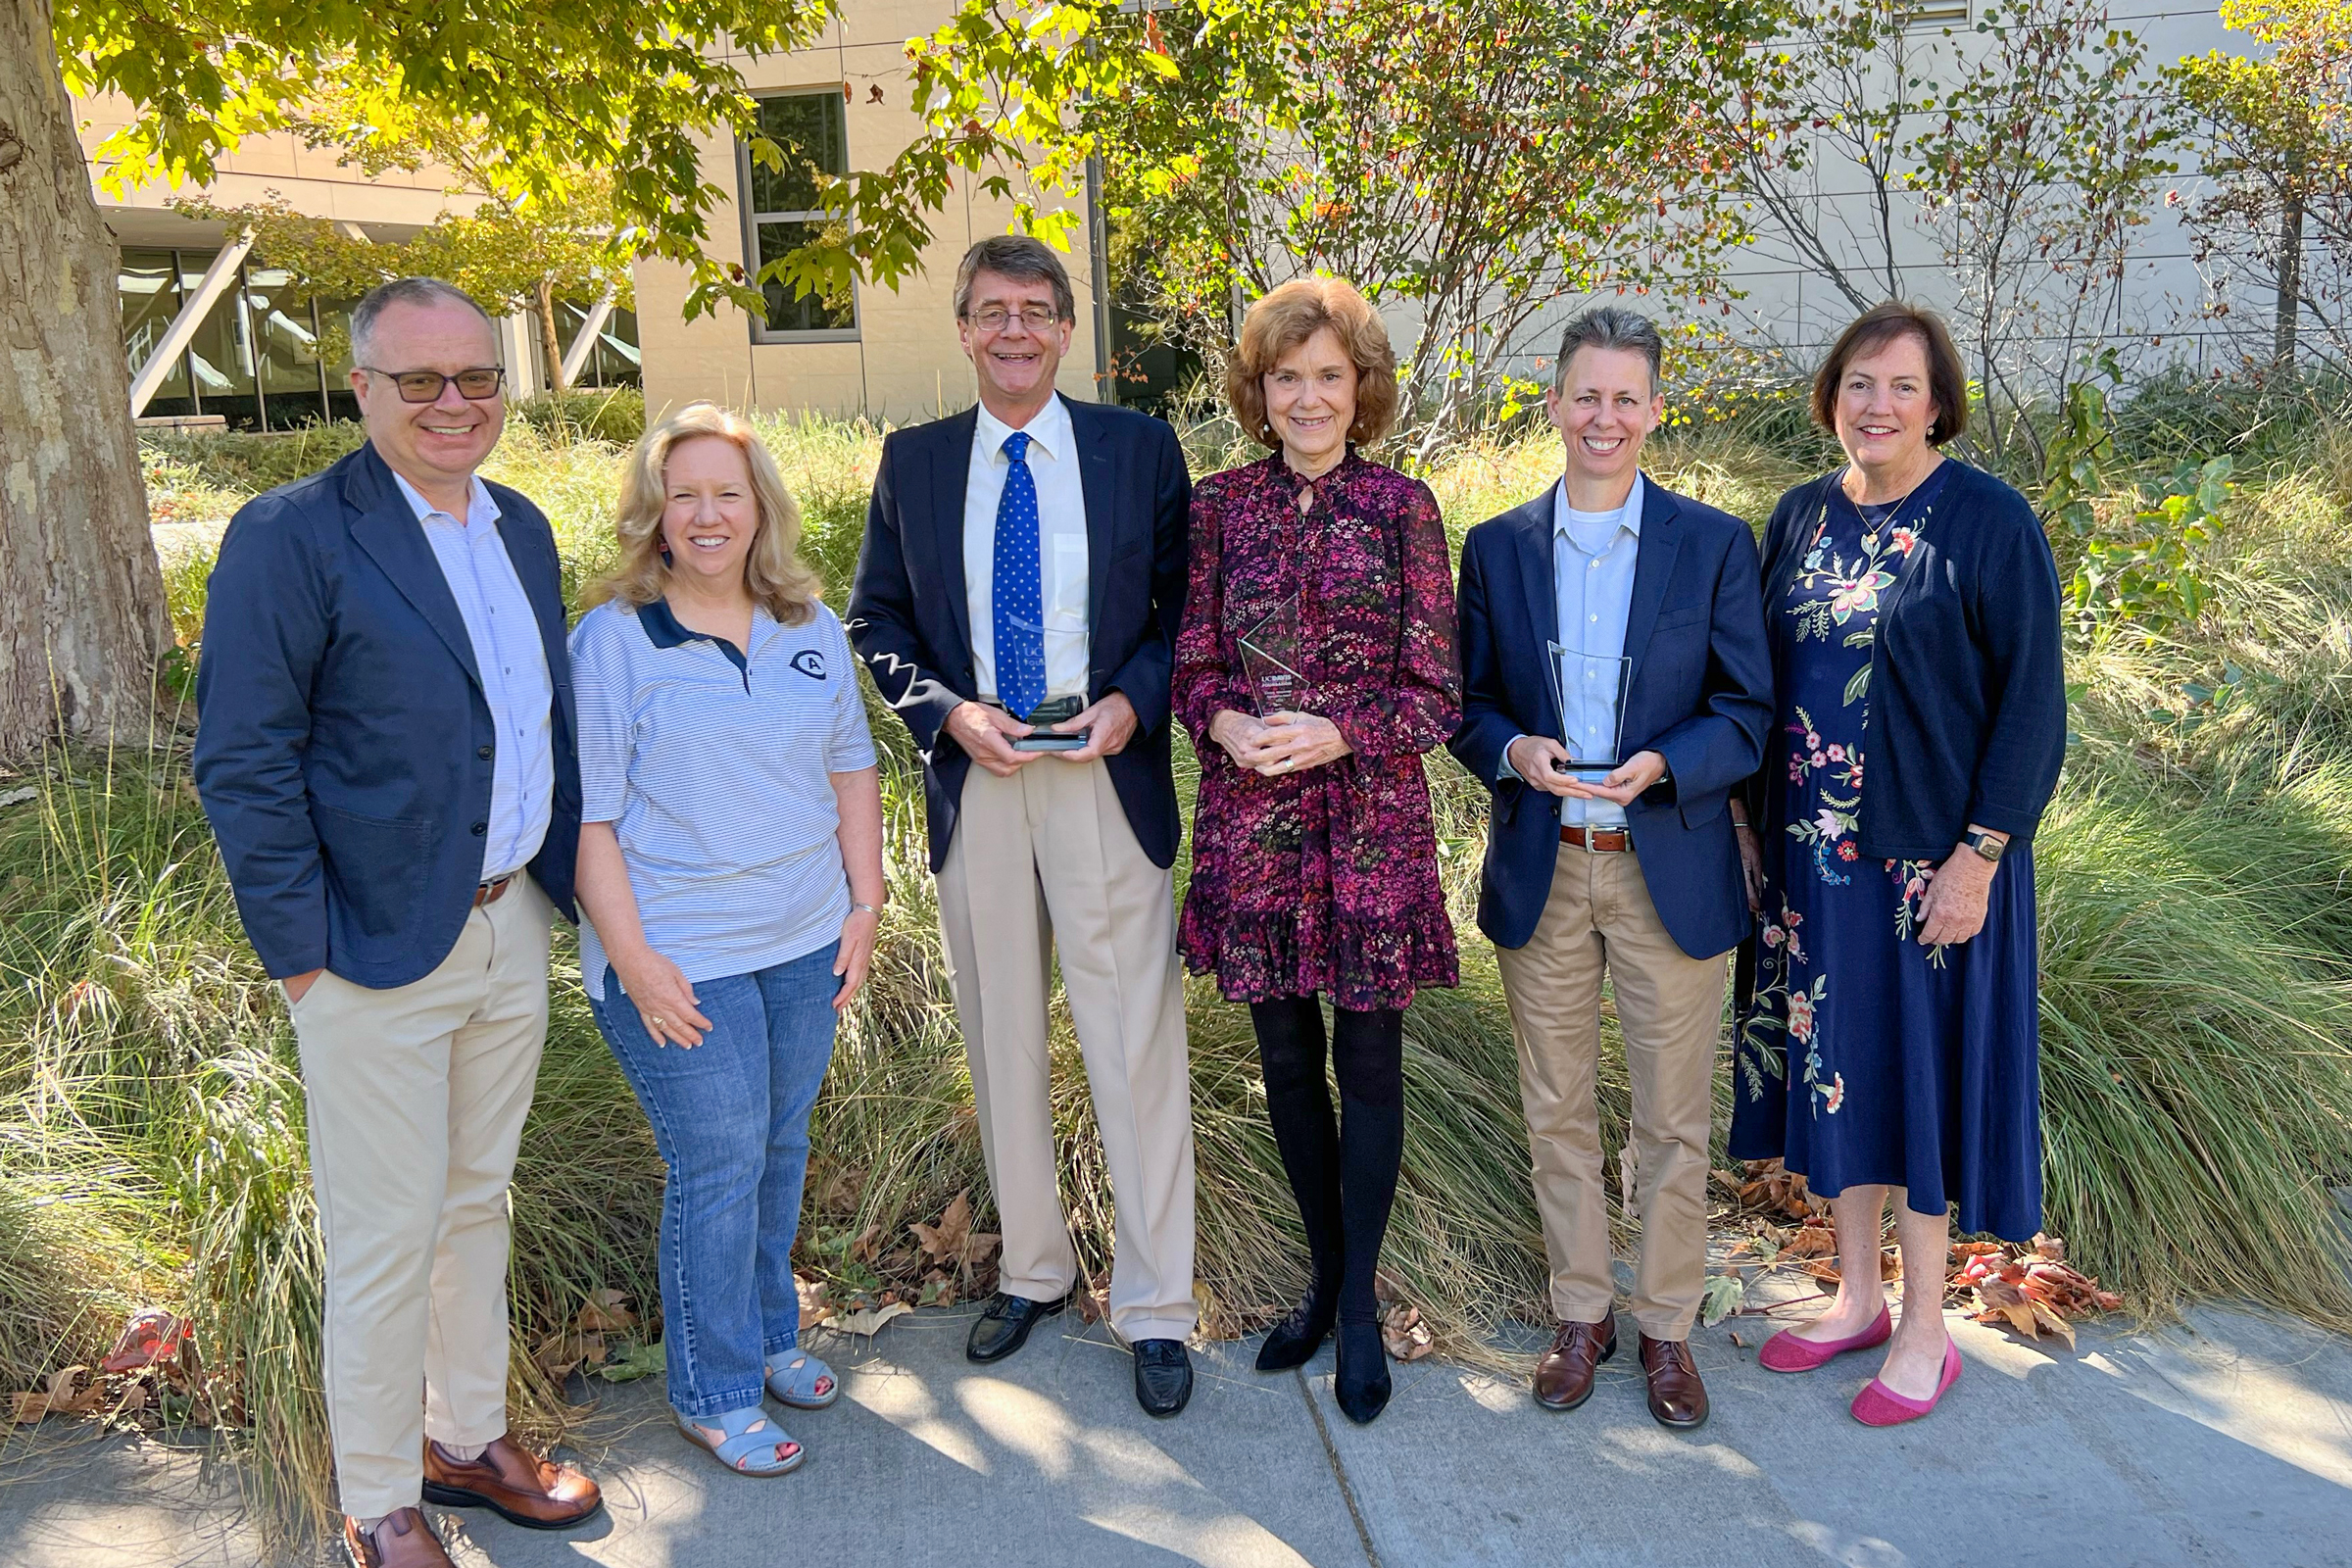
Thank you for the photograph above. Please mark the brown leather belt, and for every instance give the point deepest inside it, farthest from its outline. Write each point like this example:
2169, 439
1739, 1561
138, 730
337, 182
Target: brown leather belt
1599, 840
492, 892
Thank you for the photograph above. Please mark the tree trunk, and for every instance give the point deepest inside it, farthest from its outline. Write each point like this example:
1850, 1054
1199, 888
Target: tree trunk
2290, 305
549, 342
83, 622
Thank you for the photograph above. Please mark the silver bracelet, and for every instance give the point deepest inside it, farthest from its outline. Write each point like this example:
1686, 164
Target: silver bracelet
873, 910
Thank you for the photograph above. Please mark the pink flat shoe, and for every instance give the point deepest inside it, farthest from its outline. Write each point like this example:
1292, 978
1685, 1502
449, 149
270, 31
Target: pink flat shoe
1786, 1353
1879, 1406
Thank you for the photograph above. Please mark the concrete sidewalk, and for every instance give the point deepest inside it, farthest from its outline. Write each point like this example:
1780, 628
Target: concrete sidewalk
2224, 1441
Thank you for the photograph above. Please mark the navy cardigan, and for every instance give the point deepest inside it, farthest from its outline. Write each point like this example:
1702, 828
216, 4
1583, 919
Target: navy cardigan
1966, 683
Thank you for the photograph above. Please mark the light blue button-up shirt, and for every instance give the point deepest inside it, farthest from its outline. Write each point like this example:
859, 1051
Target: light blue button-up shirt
513, 662
1592, 556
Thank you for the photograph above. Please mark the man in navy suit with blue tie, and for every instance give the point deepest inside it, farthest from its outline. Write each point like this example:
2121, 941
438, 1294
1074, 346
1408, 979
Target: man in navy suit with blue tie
1612, 621
1017, 602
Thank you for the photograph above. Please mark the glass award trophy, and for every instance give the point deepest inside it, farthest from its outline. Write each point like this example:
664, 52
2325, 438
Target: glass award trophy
1580, 683
1270, 662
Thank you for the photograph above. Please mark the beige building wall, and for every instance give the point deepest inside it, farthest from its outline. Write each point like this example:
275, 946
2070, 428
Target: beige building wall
904, 365
394, 203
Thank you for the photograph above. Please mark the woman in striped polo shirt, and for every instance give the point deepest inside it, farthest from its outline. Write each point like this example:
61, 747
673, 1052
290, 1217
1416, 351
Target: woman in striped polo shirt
730, 883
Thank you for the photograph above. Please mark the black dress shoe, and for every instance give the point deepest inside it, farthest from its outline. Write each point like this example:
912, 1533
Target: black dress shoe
1361, 1384
1163, 1376
1005, 1325
1294, 1340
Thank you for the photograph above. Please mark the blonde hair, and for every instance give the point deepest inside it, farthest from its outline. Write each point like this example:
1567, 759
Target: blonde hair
1286, 317
780, 582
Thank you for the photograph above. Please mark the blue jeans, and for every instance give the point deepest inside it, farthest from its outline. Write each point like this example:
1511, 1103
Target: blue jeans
732, 1119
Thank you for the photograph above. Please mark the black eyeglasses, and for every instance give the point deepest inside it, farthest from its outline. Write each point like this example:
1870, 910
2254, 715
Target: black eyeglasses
424, 386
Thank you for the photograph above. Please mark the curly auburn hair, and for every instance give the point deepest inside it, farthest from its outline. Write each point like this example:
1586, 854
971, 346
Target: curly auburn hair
779, 581
1286, 317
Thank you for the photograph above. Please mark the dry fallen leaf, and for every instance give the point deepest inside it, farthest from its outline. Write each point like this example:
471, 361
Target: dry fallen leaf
1404, 1334
63, 1395
604, 1313
868, 1322
561, 1354
953, 1242
1810, 1241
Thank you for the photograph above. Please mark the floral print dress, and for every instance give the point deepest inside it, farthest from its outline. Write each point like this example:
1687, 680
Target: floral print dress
1863, 1058
1324, 881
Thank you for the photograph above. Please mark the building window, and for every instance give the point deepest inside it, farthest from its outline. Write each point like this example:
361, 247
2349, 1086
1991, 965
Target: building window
781, 214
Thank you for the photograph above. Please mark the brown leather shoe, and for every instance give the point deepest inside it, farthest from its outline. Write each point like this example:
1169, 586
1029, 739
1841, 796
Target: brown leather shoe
403, 1540
1564, 1377
512, 1483
1677, 1397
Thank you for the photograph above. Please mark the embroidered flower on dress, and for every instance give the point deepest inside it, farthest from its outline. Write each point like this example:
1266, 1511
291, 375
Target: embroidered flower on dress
1835, 1096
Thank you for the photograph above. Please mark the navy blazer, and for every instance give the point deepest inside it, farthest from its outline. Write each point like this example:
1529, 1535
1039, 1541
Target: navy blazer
911, 620
343, 743
1700, 695
1966, 672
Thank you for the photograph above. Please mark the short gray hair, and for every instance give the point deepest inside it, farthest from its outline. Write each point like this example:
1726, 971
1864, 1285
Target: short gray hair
1611, 326
419, 291
1023, 259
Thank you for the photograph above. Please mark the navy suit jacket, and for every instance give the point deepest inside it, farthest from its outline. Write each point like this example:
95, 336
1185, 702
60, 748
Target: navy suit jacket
343, 743
911, 620
1700, 695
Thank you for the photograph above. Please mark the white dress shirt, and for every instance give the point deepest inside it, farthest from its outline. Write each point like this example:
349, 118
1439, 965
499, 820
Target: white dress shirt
513, 662
1593, 558
1061, 545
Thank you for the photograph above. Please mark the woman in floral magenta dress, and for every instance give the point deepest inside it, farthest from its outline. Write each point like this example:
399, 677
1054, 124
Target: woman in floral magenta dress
1314, 859
1889, 1042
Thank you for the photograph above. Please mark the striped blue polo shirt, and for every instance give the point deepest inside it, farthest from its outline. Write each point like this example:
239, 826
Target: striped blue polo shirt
713, 764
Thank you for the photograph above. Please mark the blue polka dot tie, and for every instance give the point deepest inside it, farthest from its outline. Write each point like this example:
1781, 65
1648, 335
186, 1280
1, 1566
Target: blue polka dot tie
1019, 611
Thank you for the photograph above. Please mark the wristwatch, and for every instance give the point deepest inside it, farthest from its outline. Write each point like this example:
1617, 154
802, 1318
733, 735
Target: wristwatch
1988, 845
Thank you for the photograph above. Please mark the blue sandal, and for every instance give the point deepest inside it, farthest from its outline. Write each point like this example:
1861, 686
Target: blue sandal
802, 1380
744, 1437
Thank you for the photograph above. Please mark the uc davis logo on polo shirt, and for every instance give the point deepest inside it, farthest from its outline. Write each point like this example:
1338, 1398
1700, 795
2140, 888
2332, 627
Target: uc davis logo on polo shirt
809, 663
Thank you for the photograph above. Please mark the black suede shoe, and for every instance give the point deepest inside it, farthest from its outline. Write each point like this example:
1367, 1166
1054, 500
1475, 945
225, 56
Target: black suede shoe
1361, 1385
1005, 1325
1163, 1376
1294, 1340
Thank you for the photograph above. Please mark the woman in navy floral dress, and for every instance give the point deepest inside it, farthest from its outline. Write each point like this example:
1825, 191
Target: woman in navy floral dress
1314, 859
1889, 1044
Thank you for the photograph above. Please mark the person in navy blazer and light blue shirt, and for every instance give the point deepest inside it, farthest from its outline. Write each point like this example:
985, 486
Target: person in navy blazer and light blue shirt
1024, 571
384, 749
1634, 871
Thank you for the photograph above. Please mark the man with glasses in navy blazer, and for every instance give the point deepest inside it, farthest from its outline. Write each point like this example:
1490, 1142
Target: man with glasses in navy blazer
1611, 620
1020, 586
384, 749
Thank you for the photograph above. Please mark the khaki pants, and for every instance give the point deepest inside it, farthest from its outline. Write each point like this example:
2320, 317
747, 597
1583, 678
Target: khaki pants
416, 1098
1041, 862
1670, 1007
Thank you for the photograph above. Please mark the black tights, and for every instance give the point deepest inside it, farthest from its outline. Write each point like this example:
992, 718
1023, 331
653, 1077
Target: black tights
1344, 1175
